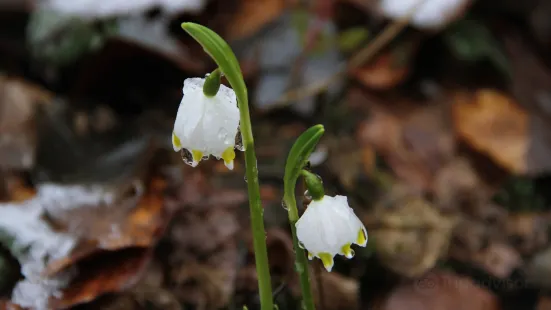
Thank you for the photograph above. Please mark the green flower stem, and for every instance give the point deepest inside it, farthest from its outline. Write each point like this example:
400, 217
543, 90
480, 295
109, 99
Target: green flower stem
255, 204
223, 55
301, 261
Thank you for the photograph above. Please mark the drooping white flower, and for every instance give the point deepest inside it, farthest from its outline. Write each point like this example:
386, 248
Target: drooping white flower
206, 125
329, 227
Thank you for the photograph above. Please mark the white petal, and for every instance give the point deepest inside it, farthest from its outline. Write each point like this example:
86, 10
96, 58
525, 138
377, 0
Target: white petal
190, 113
328, 225
207, 124
229, 165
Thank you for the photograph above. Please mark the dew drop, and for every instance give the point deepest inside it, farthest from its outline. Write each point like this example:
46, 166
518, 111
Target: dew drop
307, 195
223, 134
284, 205
187, 157
301, 245
299, 267
352, 253
205, 157
239, 140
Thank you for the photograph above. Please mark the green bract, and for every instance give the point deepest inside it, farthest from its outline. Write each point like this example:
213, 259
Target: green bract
212, 83
299, 154
314, 184
222, 54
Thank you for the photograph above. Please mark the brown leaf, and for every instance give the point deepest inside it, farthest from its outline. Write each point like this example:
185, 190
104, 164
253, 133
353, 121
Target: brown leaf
204, 233
440, 290
411, 235
201, 285
415, 141
382, 74
492, 123
482, 243
252, 16
345, 159
18, 101
498, 260
527, 232
544, 303
106, 272
538, 269
127, 226
531, 82
456, 185
339, 292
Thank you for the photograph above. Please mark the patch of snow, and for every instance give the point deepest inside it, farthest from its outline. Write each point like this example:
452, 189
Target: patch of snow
110, 8
35, 244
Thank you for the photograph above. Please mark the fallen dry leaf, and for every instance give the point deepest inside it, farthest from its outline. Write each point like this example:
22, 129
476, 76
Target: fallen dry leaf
410, 234
252, 16
382, 74
544, 303
416, 141
345, 159
66, 226
440, 290
203, 238
103, 273
492, 123
538, 269
137, 222
498, 259
531, 82
527, 232
18, 103
457, 185
479, 240
339, 292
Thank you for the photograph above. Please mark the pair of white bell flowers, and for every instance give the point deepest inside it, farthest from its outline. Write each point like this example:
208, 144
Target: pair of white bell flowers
208, 124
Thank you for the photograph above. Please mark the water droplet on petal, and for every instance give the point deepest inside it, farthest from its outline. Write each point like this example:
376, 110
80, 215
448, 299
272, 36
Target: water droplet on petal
239, 140
205, 157
352, 253
187, 157
223, 134
307, 195
284, 205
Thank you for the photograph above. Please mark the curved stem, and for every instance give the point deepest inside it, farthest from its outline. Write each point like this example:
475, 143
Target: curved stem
255, 205
301, 261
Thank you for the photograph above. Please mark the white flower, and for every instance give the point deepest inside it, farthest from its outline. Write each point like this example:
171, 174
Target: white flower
431, 14
329, 227
206, 125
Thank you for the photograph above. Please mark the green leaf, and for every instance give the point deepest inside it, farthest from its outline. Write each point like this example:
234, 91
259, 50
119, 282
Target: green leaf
299, 155
221, 53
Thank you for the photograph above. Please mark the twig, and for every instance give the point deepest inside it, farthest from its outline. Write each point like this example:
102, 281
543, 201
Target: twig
389, 33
